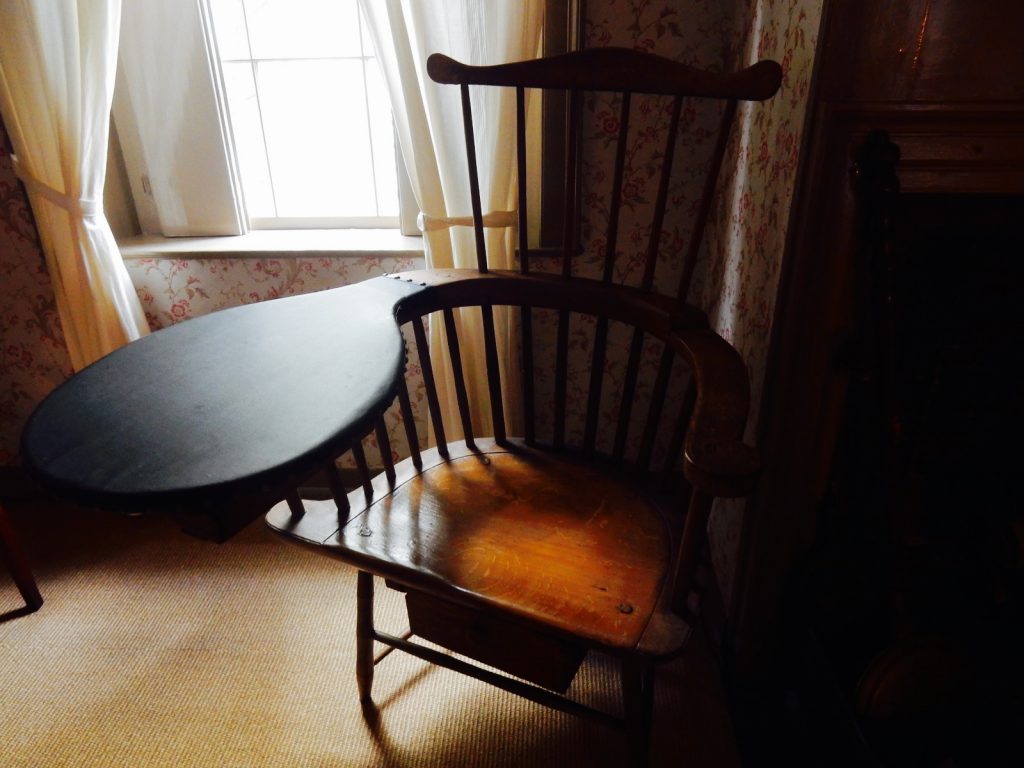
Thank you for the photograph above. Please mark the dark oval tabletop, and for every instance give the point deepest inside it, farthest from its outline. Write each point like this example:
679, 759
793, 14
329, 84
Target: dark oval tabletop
236, 402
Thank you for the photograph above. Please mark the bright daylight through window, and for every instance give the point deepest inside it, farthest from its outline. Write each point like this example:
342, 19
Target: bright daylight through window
309, 113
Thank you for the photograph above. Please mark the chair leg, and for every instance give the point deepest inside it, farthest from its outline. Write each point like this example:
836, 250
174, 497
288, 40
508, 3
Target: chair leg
638, 695
12, 554
364, 634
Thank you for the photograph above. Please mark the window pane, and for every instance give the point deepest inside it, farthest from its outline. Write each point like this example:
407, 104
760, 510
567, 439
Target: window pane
248, 135
302, 28
229, 29
317, 137
382, 133
312, 125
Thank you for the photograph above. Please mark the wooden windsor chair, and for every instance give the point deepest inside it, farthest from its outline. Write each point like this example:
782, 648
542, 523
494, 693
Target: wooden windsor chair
525, 553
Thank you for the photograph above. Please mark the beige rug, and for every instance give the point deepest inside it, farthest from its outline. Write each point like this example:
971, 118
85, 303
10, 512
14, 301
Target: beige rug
155, 649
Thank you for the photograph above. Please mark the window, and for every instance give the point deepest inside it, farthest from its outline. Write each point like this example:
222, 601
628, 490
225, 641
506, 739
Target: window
309, 113
238, 114
234, 114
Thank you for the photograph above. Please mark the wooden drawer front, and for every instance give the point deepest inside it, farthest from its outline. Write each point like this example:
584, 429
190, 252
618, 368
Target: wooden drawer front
547, 661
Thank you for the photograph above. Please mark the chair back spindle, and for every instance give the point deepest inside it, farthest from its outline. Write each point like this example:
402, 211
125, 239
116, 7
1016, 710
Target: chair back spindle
628, 393
461, 396
493, 373
365, 478
707, 195
529, 397
523, 240
669, 153
409, 422
570, 224
474, 180
615, 196
561, 379
384, 448
338, 492
611, 244
675, 444
654, 413
430, 386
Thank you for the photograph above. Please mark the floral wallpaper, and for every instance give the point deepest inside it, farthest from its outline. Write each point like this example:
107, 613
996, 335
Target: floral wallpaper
174, 289
33, 356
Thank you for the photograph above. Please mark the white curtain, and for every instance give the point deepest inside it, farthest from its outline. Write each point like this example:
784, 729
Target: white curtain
57, 61
428, 118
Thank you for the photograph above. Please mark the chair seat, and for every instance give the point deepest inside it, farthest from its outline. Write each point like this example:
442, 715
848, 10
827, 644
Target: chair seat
560, 544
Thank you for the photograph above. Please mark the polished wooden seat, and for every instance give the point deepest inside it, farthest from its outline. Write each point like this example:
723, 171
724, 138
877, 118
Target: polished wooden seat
521, 511
523, 553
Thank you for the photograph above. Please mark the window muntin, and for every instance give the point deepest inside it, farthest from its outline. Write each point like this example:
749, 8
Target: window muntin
310, 116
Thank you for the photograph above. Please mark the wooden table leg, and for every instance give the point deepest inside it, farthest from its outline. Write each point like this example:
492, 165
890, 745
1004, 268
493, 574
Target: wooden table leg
12, 554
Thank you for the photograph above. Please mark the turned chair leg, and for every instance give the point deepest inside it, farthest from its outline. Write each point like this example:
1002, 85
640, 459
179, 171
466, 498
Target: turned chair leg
11, 553
364, 634
638, 696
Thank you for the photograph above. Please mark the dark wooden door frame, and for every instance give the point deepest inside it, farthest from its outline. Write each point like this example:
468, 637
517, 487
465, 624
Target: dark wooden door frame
945, 148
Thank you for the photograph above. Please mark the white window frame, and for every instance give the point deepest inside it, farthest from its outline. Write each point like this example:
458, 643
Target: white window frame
170, 111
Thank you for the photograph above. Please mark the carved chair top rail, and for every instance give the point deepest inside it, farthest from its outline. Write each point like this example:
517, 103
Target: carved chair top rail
614, 69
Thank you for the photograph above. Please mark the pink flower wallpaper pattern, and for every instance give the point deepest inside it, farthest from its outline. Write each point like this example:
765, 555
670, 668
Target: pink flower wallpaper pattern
33, 355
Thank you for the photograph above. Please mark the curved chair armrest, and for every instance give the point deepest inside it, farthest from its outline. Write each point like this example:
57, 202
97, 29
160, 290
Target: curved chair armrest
716, 458
449, 288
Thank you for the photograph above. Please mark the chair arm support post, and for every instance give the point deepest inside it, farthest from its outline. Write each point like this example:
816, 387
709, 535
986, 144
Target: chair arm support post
687, 552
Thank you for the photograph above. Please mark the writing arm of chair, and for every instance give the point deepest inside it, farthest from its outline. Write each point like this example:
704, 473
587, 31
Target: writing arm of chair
235, 406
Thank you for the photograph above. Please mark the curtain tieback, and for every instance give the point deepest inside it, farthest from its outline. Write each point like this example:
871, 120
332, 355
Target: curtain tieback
83, 208
494, 220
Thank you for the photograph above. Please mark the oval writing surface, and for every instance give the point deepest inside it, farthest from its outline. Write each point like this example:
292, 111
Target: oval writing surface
236, 401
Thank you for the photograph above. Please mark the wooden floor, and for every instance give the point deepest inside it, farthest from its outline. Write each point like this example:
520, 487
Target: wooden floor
155, 649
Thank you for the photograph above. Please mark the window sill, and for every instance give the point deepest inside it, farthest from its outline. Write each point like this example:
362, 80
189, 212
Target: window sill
275, 243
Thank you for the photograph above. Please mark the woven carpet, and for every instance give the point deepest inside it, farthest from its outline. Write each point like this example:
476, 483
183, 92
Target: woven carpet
155, 649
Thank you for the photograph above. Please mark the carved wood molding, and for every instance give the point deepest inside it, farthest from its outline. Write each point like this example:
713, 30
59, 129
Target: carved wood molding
944, 148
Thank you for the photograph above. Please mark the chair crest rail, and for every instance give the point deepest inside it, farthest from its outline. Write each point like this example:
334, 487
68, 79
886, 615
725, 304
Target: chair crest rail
620, 69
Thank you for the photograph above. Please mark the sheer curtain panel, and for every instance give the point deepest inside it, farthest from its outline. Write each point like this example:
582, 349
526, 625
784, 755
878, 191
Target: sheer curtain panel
56, 82
428, 119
